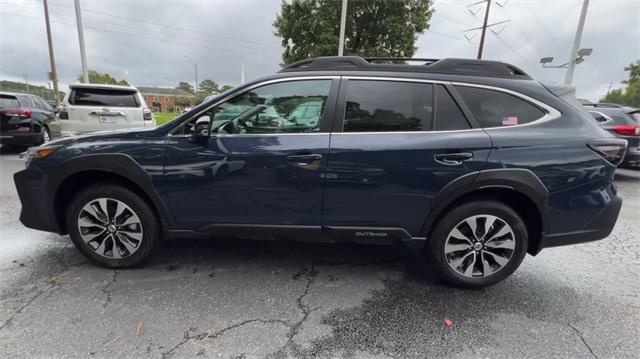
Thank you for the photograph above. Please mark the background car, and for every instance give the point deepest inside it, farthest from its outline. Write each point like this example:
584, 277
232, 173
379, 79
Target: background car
91, 107
24, 119
622, 122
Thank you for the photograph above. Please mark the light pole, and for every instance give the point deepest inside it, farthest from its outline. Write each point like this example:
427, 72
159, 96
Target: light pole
343, 25
576, 44
83, 56
195, 66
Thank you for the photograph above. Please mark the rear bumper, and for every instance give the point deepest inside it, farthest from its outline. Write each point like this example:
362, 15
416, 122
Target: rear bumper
19, 138
600, 227
37, 209
632, 158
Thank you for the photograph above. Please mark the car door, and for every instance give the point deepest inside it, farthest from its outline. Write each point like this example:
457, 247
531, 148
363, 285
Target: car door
98, 109
397, 143
260, 171
46, 113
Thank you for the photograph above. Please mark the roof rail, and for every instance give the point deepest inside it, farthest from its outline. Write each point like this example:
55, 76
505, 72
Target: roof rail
603, 104
444, 66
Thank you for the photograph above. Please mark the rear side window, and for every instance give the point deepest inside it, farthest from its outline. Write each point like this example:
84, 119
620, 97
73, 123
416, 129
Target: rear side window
449, 117
498, 109
388, 106
618, 117
7, 101
25, 101
103, 97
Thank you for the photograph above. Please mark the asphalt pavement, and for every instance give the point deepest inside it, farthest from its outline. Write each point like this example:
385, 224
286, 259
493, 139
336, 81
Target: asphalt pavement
246, 299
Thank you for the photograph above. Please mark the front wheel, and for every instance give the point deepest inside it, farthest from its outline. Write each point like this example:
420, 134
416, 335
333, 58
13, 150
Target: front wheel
477, 244
112, 226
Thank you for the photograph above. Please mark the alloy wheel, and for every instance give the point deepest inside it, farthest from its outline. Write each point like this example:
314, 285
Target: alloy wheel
110, 228
479, 246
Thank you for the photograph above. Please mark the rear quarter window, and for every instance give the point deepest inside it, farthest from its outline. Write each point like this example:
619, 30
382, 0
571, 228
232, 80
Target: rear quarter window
103, 97
7, 101
498, 109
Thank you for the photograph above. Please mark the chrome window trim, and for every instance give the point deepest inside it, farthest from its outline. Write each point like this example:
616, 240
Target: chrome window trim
550, 112
259, 84
606, 117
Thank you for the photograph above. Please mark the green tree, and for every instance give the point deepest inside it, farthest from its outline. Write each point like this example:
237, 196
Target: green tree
631, 94
375, 28
208, 86
96, 77
226, 88
182, 101
183, 85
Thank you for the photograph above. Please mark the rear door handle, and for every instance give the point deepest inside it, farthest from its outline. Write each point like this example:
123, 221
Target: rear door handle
453, 159
304, 160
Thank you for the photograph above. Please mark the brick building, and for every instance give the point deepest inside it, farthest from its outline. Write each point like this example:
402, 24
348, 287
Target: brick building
161, 99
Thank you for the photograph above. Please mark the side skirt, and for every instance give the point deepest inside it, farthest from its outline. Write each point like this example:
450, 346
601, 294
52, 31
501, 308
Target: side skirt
362, 235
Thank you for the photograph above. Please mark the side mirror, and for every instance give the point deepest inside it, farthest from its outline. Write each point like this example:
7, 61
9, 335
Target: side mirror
202, 131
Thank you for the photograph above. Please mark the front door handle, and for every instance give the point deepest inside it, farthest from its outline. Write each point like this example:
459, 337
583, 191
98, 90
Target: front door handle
453, 159
304, 160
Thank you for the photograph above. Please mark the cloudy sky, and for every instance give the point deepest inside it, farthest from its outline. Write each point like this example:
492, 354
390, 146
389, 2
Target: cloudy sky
145, 41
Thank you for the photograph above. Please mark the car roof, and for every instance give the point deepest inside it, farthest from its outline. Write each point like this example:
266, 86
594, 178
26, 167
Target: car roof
449, 66
103, 86
16, 94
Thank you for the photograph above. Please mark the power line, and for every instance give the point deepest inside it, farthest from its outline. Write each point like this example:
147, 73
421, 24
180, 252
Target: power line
155, 31
126, 33
137, 20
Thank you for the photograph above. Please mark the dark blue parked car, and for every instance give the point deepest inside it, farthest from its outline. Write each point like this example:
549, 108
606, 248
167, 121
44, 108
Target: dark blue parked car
471, 162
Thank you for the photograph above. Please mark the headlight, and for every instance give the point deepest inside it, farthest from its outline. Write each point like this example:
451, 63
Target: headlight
37, 153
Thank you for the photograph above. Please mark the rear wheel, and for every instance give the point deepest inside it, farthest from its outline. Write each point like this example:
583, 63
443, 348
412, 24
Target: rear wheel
46, 134
477, 244
112, 225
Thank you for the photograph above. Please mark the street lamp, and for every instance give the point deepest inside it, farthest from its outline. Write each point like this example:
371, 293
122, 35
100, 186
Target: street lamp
195, 66
545, 61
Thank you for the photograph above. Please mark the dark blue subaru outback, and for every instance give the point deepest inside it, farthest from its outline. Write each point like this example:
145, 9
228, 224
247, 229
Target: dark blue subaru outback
472, 163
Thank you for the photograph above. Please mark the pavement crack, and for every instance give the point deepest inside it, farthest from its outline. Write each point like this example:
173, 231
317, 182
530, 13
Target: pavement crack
107, 289
584, 341
9, 320
187, 336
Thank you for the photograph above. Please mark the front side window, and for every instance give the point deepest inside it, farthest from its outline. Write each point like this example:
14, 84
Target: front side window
498, 109
103, 97
388, 106
284, 107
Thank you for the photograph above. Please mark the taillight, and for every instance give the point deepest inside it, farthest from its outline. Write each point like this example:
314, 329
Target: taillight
611, 149
19, 113
627, 130
146, 115
63, 115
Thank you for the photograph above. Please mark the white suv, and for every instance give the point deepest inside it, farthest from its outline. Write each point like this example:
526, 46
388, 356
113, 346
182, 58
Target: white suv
91, 107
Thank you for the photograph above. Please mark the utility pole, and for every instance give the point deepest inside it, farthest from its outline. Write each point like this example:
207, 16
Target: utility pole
484, 29
196, 68
52, 59
26, 81
343, 23
83, 56
576, 44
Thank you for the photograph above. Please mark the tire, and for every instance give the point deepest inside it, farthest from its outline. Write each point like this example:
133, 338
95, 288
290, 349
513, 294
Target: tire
502, 237
46, 135
134, 230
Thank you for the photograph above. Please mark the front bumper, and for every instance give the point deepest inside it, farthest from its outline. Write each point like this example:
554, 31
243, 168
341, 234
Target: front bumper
600, 227
37, 208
